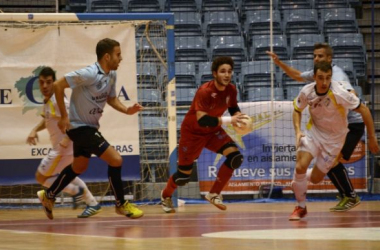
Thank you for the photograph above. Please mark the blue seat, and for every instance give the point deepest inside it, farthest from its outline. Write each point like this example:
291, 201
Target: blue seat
187, 24
254, 5
152, 129
302, 45
301, 21
261, 44
139, 6
256, 74
147, 75
185, 75
106, 6
350, 46
185, 96
76, 6
292, 92
358, 91
264, 94
330, 4
232, 46
300, 65
221, 23
295, 4
149, 97
258, 22
341, 20
181, 6
347, 65
145, 52
217, 5
191, 49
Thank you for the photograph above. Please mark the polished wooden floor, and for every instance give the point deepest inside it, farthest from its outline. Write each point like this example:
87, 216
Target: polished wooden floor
241, 226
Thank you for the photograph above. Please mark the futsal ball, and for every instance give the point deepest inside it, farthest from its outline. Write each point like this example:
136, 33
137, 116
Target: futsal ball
244, 127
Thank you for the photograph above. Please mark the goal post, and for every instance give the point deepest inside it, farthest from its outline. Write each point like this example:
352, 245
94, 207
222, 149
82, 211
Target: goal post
155, 54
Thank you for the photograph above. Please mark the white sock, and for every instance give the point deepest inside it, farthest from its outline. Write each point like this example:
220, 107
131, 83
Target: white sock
88, 197
69, 189
299, 186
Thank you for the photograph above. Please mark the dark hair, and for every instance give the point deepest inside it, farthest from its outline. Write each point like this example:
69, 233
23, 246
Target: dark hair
326, 47
220, 61
323, 66
47, 71
104, 46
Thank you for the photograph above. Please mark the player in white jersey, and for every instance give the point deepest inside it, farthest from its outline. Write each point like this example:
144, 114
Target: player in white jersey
61, 154
92, 87
338, 174
328, 104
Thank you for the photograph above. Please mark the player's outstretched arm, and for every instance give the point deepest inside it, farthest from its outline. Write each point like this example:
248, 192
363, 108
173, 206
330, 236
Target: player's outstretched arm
368, 121
59, 91
115, 103
33, 136
291, 72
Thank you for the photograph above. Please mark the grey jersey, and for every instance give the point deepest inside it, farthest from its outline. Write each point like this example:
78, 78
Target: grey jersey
90, 89
340, 76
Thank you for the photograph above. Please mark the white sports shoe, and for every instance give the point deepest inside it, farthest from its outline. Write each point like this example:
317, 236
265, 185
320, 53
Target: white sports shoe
216, 200
167, 204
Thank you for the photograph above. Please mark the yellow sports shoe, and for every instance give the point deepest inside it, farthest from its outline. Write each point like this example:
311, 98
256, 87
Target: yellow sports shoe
130, 210
47, 203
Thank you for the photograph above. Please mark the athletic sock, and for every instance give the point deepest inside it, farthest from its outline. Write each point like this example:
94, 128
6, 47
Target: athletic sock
63, 179
341, 180
69, 189
170, 188
116, 184
89, 199
299, 186
224, 175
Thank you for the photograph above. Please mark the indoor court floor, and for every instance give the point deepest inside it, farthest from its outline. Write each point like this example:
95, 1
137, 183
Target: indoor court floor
200, 226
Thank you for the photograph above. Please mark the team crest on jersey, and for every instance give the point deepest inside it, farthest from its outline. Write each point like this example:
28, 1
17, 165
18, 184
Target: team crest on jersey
29, 91
213, 95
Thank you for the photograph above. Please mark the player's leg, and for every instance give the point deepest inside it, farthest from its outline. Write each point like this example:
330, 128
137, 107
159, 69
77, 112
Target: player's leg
233, 161
338, 174
189, 148
114, 161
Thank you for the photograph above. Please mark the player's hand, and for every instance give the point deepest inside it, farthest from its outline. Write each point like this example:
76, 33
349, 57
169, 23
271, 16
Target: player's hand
274, 56
64, 124
237, 119
299, 135
373, 145
32, 138
134, 109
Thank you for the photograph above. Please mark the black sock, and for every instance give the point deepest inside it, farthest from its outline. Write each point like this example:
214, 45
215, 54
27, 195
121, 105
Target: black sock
64, 178
114, 177
339, 176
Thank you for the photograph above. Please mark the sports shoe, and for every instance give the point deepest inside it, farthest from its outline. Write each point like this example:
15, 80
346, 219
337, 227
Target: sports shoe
47, 204
167, 204
298, 213
346, 204
216, 200
130, 210
78, 198
90, 211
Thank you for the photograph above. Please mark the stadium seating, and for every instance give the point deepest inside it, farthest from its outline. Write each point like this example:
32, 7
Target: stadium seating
191, 49
221, 23
217, 5
147, 75
139, 6
185, 75
184, 96
342, 20
261, 44
106, 6
301, 21
300, 65
76, 6
149, 97
254, 5
181, 6
330, 4
145, 52
302, 45
295, 4
187, 24
258, 22
348, 67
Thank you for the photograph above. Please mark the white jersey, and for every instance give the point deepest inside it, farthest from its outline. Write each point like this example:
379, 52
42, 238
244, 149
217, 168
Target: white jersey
328, 112
51, 116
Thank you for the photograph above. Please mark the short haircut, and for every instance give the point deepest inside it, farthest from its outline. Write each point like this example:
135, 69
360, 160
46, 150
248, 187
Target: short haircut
326, 47
47, 71
105, 46
322, 66
220, 61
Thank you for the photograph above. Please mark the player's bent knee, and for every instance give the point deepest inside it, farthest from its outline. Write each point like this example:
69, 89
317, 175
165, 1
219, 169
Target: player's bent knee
181, 179
234, 160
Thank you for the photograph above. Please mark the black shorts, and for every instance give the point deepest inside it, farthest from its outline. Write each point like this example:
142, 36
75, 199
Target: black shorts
87, 141
353, 137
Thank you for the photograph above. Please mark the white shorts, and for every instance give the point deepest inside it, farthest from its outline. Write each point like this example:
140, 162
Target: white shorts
56, 161
325, 154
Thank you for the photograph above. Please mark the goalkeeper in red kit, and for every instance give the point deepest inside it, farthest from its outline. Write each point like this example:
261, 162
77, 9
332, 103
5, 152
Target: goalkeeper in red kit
202, 128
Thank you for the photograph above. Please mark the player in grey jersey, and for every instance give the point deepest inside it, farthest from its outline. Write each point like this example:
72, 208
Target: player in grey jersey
338, 174
92, 87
